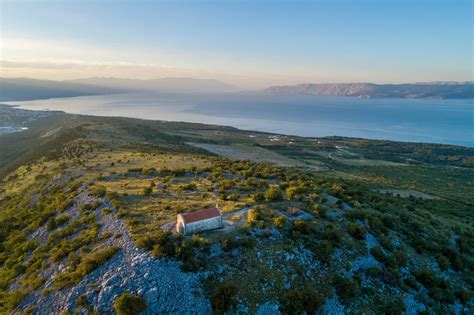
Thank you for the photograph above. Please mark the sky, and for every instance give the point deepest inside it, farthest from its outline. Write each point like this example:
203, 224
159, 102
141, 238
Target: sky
251, 44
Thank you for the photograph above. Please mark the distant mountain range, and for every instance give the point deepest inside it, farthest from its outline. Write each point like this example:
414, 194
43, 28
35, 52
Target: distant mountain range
22, 89
165, 85
435, 90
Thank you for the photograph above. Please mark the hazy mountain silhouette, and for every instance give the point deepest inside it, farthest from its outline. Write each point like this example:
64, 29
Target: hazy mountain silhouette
437, 90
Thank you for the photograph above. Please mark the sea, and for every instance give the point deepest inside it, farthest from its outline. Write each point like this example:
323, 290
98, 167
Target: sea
411, 120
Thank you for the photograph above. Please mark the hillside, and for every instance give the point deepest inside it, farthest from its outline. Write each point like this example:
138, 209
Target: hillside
439, 90
317, 225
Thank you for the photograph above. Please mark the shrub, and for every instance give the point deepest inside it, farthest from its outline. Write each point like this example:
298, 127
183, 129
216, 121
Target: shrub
356, 231
443, 262
319, 210
301, 226
148, 171
376, 224
463, 295
228, 244
135, 170
428, 278
273, 194
378, 254
258, 196
225, 184
128, 304
300, 301
82, 301
51, 224
345, 288
99, 191
394, 307
253, 215
401, 257
291, 192
147, 191
280, 221
148, 241
411, 283
87, 264
66, 205
61, 219
222, 299
233, 197
190, 186
386, 242
323, 251
333, 234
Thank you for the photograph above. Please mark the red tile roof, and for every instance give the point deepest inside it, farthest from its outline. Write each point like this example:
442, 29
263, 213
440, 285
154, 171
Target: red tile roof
191, 217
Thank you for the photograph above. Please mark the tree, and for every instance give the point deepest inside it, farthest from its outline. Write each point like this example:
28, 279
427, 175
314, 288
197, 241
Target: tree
279, 222
128, 304
273, 194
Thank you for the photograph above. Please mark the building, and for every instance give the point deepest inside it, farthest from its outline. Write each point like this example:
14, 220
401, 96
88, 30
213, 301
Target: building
193, 222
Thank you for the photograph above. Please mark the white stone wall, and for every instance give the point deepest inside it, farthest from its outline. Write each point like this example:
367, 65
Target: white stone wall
180, 226
209, 224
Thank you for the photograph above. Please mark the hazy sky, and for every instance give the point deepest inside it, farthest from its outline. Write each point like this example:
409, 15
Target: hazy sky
248, 43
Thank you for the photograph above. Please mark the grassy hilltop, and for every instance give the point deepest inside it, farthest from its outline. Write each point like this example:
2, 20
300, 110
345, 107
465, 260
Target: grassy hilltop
312, 224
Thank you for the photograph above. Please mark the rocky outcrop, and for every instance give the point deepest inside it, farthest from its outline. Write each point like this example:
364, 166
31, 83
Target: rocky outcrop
166, 289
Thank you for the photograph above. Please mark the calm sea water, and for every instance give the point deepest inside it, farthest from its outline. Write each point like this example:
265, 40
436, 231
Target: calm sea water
435, 121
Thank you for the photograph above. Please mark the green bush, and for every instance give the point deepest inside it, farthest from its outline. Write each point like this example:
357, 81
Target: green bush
323, 251
190, 186
253, 215
378, 254
280, 221
223, 298
345, 288
99, 191
301, 226
319, 210
333, 234
128, 304
51, 224
273, 194
258, 196
394, 307
147, 191
291, 192
356, 231
233, 197
301, 301
463, 295
87, 264
66, 205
